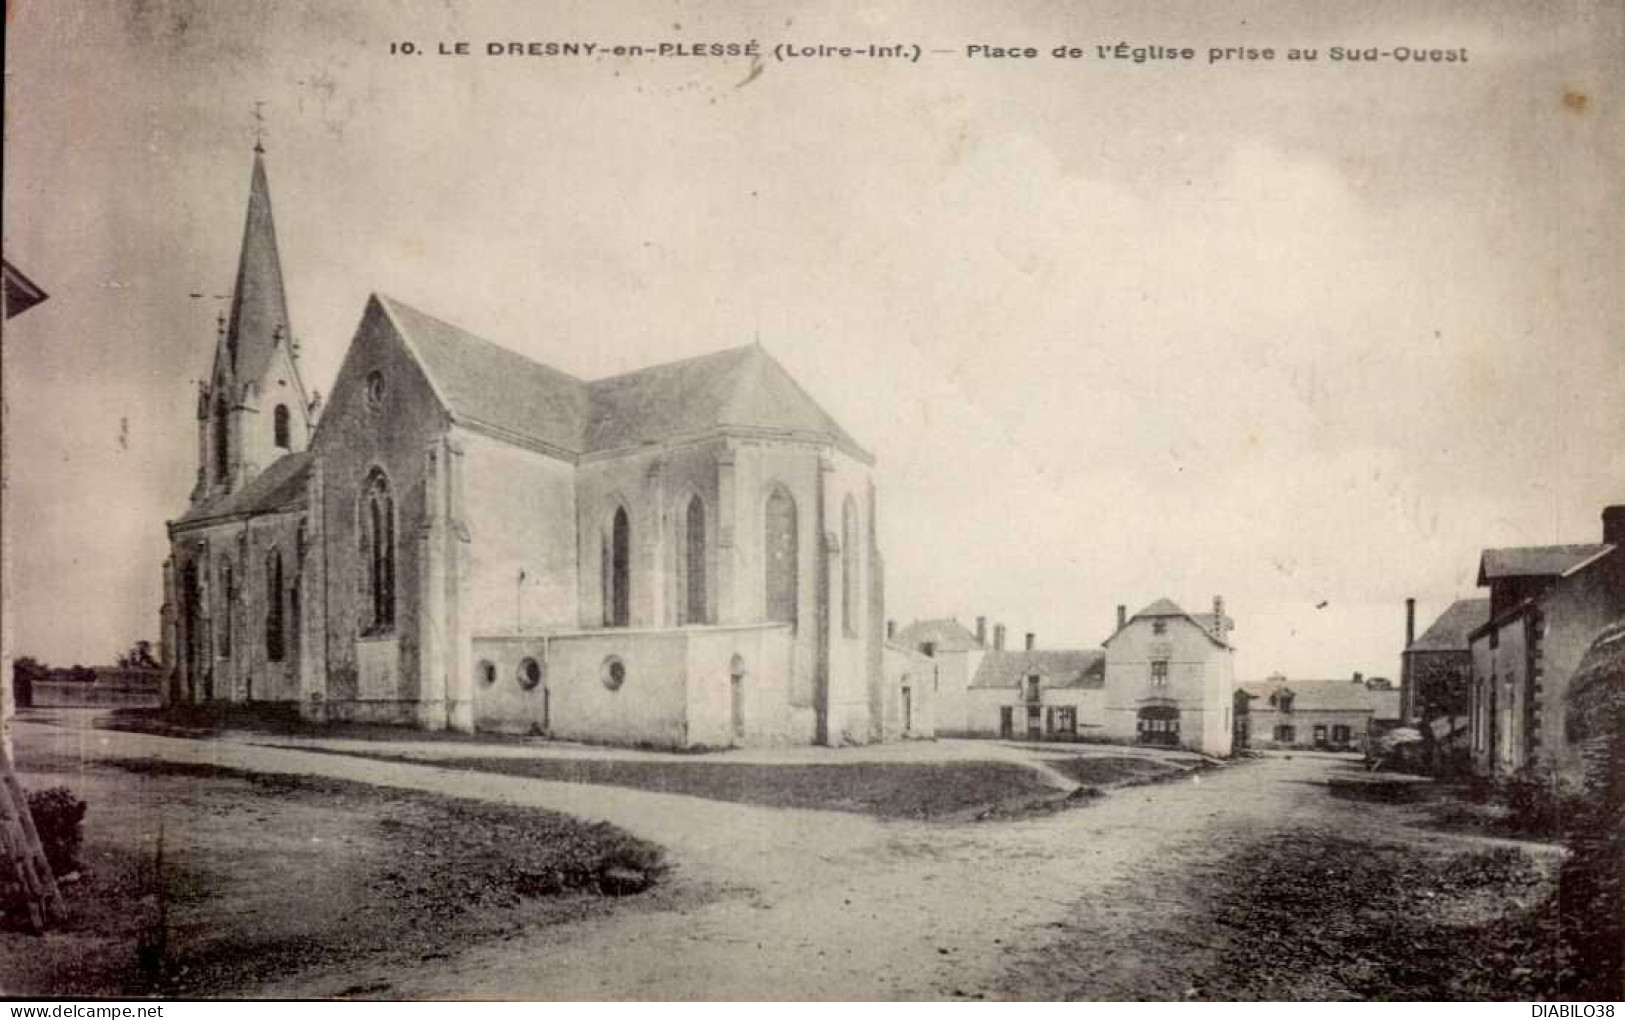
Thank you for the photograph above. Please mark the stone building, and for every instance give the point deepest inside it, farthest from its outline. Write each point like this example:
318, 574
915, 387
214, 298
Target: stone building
682, 555
1547, 605
956, 653
1037, 694
1436, 668
1331, 715
1170, 678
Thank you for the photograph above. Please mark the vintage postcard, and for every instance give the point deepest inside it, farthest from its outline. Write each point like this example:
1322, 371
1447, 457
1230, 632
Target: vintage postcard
814, 501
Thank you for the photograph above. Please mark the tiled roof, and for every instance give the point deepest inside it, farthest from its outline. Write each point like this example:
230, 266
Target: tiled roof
1535, 561
482, 382
1057, 668
945, 635
1319, 695
485, 383
1165, 608
279, 487
1449, 632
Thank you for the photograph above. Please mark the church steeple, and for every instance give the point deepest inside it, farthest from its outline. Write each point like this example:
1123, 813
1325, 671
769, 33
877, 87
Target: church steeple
256, 408
258, 320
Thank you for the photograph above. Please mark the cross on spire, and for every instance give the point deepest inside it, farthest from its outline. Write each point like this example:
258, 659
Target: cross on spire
259, 125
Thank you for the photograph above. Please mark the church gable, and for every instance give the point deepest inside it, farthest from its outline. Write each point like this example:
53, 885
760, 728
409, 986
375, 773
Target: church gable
379, 382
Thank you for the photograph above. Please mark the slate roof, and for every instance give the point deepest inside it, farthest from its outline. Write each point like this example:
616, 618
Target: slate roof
1320, 695
21, 292
1536, 561
946, 635
259, 306
1165, 608
1450, 631
488, 384
281, 486
1057, 668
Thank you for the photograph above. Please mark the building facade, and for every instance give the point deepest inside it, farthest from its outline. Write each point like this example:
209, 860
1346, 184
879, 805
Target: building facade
1327, 715
1436, 669
1547, 605
1170, 678
683, 555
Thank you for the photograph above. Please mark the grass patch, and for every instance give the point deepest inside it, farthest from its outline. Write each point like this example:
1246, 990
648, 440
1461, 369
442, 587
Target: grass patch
280, 719
1313, 916
1112, 771
917, 790
210, 881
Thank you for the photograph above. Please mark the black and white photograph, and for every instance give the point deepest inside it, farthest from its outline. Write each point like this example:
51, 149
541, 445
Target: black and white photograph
803, 501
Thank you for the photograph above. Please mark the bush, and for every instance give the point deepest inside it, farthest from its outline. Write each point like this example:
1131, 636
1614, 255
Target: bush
59, 816
1539, 800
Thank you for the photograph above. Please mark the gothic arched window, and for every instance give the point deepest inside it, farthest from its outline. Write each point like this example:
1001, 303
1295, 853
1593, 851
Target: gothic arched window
377, 564
279, 426
274, 619
228, 596
693, 598
222, 442
849, 567
618, 571
782, 558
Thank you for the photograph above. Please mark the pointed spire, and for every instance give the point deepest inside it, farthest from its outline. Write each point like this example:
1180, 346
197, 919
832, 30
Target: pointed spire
259, 307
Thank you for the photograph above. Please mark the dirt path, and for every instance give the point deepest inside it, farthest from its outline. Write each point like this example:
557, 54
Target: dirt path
832, 905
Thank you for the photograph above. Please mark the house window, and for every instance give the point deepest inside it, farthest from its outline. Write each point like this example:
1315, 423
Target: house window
1340, 734
694, 578
279, 426
273, 607
782, 558
1159, 673
377, 574
1320, 734
1032, 687
618, 571
487, 672
1159, 626
849, 567
1285, 734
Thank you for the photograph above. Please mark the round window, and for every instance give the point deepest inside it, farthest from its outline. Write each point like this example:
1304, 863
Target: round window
613, 673
488, 673
530, 674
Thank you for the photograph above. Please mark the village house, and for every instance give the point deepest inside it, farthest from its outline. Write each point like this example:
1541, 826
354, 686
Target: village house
463, 537
1547, 605
1169, 678
957, 653
1330, 715
1436, 669
1037, 694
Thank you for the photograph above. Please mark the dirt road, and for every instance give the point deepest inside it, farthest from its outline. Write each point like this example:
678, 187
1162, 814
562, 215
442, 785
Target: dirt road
832, 905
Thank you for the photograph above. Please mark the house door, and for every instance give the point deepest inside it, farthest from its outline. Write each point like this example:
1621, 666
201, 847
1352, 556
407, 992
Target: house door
1159, 724
1034, 716
1007, 722
547, 710
908, 710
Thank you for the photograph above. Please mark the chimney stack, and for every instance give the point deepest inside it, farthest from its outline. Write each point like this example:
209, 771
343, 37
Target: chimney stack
1219, 627
1359, 677
981, 631
1122, 617
1410, 622
998, 637
1032, 641
891, 629
1613, 525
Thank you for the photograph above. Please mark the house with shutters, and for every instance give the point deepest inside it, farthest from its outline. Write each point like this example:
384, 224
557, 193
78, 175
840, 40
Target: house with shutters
1327, 715
466, 538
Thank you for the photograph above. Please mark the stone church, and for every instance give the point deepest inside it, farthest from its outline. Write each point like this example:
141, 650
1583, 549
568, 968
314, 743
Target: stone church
465, 538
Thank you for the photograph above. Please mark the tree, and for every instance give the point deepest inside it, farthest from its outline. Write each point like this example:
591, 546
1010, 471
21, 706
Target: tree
138, 657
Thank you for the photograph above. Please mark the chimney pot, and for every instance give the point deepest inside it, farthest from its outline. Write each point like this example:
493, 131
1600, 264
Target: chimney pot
1032, 641
1219, 627
1613, 525
981, 631
1410, 622
998, 637
1122, 617
1359, 677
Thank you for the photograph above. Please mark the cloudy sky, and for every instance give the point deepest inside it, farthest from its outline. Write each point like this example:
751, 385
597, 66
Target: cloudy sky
1306, 335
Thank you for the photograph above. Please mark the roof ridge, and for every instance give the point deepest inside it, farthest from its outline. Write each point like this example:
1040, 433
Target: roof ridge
470, 335
668, 364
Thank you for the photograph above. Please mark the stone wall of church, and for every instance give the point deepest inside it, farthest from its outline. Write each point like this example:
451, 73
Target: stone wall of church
521, 509
389, 425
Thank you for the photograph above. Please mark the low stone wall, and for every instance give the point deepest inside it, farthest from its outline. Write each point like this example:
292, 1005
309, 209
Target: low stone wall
1593, 886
